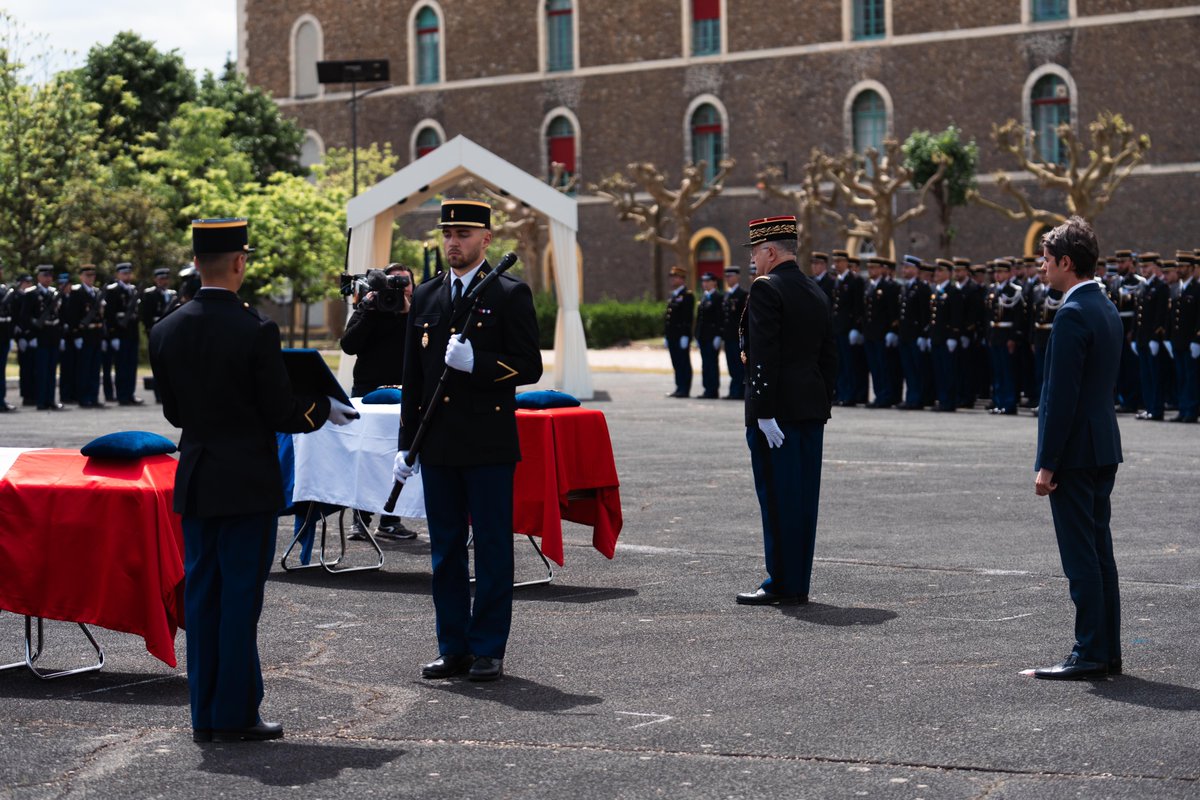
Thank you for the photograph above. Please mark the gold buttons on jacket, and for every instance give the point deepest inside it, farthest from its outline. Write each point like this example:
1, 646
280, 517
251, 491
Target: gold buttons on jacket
446, 399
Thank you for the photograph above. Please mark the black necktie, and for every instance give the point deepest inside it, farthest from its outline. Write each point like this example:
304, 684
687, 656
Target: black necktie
457, 290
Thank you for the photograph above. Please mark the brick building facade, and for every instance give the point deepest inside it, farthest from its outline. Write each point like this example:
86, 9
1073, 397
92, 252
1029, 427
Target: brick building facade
669, 81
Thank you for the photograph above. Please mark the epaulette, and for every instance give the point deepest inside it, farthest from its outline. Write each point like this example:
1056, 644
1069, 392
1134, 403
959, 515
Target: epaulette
760, 278
29, 289
112, 285
76, 286
149, 289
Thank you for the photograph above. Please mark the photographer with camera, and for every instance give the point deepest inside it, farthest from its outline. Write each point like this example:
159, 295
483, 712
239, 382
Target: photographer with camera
375, 334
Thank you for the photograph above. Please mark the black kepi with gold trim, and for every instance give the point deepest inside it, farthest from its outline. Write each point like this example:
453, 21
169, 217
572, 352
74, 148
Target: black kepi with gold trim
225, 235
466, 214
772, 229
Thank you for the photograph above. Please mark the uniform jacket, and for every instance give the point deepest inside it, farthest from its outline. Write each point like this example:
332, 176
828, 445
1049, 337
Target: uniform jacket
733, 303
120, 310
475, 422
154, 305
680, 317
8, 296
221, 377
791, 360
1077, 426
84, 315
1006, 313
827, 282
708, 317
1043, 305
945, 314
914, 310
848, 303
881, 309
1185, 319
1152, 312
40, 314
974, 311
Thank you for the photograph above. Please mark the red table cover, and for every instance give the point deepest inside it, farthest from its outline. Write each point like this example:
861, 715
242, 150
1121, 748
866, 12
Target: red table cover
566, 472
93, 541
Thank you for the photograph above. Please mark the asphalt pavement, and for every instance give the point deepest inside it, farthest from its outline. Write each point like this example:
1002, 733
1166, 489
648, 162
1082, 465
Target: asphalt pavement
936, 583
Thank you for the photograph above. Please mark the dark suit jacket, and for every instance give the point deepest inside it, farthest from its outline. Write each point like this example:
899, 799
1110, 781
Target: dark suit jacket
221, 378
791, 360
1077, 426
475, 423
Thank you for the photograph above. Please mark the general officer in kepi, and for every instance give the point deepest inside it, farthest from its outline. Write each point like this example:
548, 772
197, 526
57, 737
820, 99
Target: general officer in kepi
791, 367
470, 450
222, 379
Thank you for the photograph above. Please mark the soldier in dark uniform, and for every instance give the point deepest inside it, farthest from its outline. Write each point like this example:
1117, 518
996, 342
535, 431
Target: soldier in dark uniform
218, 366
944, 335
26, 382
819, 262
1043, 305
881, 319
470, 451
121, 323
68, 368
708, 336
914, 319
732, 306
1006, 320
40, 319
8, 295
1185, 338
1149, 330
792, 366
972, 315
84, 318
156, 300
677, 331
1124, 288
891, 352
847, 303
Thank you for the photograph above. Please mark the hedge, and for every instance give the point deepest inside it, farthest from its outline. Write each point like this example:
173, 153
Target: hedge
605, 324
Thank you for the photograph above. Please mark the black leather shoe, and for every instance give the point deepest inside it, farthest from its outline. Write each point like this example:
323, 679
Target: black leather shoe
261, 732
201, 735
1073, 669
677, 394
1114, 667
52, 407
133, 401
446, 667
486, 668
1146, 415
761, 597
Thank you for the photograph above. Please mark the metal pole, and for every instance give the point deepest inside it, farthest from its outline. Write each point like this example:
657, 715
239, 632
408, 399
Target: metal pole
354, 132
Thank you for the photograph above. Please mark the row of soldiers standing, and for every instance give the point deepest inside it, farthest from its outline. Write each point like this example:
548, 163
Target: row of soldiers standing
81, 337
712, 322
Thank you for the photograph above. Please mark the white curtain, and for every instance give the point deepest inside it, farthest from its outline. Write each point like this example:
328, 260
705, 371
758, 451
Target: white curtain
571, 371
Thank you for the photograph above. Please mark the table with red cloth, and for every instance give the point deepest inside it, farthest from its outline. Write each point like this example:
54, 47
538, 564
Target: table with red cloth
93, 541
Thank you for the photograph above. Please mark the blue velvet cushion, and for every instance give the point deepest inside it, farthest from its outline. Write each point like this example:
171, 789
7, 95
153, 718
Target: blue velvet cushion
546, 398
389, 395
128, 444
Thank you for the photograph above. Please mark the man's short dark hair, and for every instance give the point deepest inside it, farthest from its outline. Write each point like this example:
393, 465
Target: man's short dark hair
1076, 239
789, 246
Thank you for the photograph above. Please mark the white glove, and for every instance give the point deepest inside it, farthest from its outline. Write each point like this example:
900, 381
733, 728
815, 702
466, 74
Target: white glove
891, 339
401, 471
78, 342
951, 344
1195, 348
340, 413
1170, 349
965, 341
716, 343
116, 345
1133, 346
33, 343
856, 337
460, 355
772, 431
922, 344
683, 343
1154, 347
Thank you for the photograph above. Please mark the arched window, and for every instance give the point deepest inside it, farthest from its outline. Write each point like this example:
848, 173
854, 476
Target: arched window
560, 147
1049, 9
1049, 107
306, 52
706, 27
428, 46
560, 36
869, 21
428, 140
312, 149
709, 257
869, 118
707, 139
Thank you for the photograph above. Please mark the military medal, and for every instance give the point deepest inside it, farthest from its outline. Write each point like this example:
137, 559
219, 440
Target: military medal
425, 339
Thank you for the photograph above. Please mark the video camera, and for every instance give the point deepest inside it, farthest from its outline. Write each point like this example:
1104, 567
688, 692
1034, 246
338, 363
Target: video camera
388, 289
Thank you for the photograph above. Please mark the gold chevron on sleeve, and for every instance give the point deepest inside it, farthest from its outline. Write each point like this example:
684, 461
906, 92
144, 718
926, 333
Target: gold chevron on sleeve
311, 424
512, 373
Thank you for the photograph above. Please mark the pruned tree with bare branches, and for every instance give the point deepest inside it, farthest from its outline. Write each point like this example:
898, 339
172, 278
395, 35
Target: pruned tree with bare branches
811, 206
869, 184
664, 219
1088, 178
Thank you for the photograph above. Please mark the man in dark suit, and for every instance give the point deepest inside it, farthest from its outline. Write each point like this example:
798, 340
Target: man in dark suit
708, 336
470, 450
791, 360
1079, 447
221, 376
732, 306
677, 331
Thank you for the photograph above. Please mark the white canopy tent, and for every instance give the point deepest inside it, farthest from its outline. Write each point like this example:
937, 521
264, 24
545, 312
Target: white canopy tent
371, 215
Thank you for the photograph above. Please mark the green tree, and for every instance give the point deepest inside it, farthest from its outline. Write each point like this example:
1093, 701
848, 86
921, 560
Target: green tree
271, 140
335, 174
48, 135
924, 153
138, 89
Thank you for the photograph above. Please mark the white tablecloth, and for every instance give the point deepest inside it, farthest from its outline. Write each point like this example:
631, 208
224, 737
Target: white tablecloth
351, 465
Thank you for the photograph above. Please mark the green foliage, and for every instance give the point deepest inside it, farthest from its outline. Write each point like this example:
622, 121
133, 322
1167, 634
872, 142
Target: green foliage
335, 174
605, 324
924, 151
545, 306
271, 140
137, 88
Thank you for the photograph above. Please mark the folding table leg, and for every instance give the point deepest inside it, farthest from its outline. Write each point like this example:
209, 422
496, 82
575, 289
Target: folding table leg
312, 508
549, 569
32, 654
330, 565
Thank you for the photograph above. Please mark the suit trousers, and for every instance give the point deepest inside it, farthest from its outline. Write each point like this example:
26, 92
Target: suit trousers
737, 370
1039, 373
1082, 514
481, 496
787, 480
226, 561
710, 371
681, 362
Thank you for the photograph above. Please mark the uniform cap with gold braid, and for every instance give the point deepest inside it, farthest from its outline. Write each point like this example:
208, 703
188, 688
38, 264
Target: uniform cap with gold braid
840, 254
466, 214
1183, 256
1124, 254
678, 272
819, 256
213, 236
1146, 258
772, 229
945, 263
962, 262
979, 268
1167, 263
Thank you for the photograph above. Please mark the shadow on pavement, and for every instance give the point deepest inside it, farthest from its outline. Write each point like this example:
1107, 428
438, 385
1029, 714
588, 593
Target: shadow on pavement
372, 581
286, 763
563, 593
1151, 694
121, 688
521, 694
834, 616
